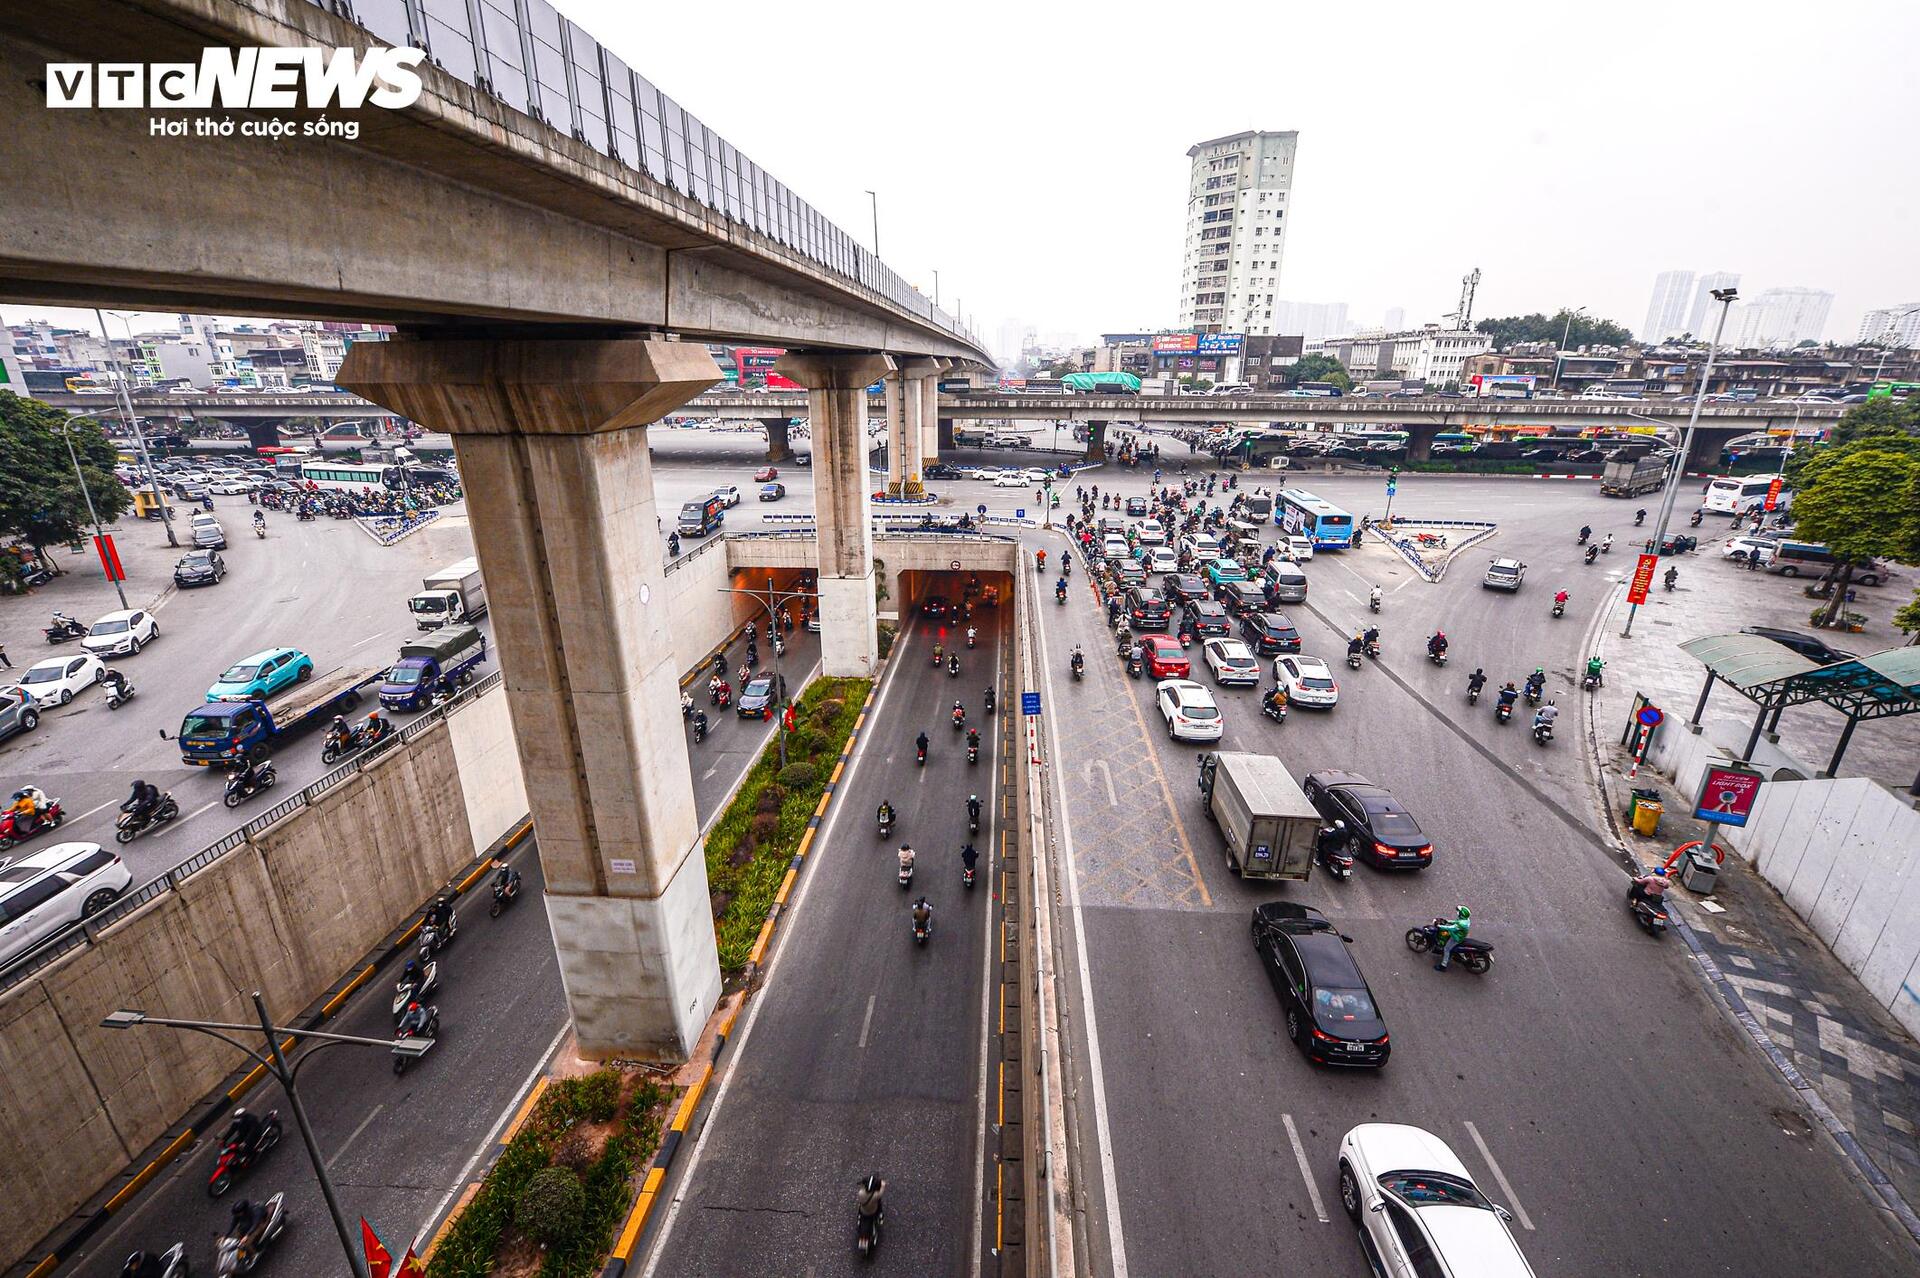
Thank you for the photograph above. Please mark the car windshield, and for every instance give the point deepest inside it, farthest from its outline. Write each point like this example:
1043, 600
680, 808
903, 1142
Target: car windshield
242, 673
1433, 1189
196, 561
1392, 825
1342, 1008
405, 676
115, 626
202, 726
45, 674
1319, 683
759, 687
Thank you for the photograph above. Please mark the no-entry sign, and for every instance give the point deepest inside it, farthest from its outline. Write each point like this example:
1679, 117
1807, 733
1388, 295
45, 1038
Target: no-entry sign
1642, 578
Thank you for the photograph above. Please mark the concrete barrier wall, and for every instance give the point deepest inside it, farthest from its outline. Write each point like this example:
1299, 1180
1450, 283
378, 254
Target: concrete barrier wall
1846, 856
481, 732
286, 913
703, 613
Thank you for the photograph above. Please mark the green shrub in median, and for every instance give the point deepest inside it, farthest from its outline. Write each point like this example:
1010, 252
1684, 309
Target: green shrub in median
549, 1208
747, 858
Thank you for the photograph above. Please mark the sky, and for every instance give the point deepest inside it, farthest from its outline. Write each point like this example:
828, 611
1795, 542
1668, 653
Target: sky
1035, 154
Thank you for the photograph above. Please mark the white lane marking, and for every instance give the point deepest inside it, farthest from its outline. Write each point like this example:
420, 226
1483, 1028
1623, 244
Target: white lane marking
978, 1244
420, 1237
1106, 774
866, 1022
754, 1004
110, 803
364, 642
1306, 1172
371, 1115
1513, 1202
1103, 1131
205, 807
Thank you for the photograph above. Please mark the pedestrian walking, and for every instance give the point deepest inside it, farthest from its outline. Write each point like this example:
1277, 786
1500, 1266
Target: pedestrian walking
1753, 559
4, 659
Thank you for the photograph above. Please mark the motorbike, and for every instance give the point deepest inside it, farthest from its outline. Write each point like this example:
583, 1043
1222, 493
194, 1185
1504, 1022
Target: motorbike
699, 729
686, 706
1079, 669
1373, 605
1593, 553
239, 790
988, 698
1373, 650
1542, 733
1648, 913
1060, 596
921, 931
1503, 711
959, 720
1606, 547
431, 1030
423, 981
1338, 861
906, 872
1698, 515
1532, 693
966, 876
1584, 534
1277, 713
47, 819
235, 1159
920, 752
1639, 517
240, 1254
119, 692
953, 667
338, 745
126, 829
63, 629
1589, 681
973, 752
1437, 657
433, 940
1353, 661
973, 821
866, 1236
173, 1262
1135, 667
721, 696
1474, 954
1473, 695
260, 531
1669, 580
504, 894
1559, 608
886, 825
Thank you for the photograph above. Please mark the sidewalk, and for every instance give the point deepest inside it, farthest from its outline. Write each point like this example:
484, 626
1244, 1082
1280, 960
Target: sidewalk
1855, 1070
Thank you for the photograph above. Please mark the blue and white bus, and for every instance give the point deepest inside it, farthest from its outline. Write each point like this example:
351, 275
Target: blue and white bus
1300, 513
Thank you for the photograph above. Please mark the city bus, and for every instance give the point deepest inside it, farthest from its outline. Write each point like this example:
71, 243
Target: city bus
327, 474
1302, 514
1743, 496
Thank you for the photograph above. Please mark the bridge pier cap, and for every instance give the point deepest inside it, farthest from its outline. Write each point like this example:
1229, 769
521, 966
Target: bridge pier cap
836, 384
552, 445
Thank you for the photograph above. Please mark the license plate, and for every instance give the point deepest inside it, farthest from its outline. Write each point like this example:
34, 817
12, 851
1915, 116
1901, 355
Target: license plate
1353, 1047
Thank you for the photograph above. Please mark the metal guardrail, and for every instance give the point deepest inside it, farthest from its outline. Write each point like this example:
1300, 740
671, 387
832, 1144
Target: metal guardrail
84, 932
529, 56
713, 539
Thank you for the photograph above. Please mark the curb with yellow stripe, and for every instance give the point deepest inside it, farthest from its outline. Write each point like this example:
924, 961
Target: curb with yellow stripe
689, 1103
217, 1106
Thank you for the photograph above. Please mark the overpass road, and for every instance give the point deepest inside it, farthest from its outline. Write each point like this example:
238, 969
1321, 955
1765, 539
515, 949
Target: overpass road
1587, 1081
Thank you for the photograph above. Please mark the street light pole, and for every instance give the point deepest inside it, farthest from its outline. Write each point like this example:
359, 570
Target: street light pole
66, 433
139, 436
771, 601
875, 200
1726, 297
1560, 355
276, 1064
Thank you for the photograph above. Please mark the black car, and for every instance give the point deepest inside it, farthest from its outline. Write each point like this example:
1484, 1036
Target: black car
1206, 619
756, 697
934, 606
1241, 597
1146, 610
199, 568
1331, 1015
940, 470
1679, 544
1269, 633
1806, 645
1185, 588
1379, 829
1137, 506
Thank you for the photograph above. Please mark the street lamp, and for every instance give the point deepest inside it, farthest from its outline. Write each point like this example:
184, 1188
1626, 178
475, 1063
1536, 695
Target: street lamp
276, 1064
1560, 355
139, 436
771, 600
66, 433
1726, 298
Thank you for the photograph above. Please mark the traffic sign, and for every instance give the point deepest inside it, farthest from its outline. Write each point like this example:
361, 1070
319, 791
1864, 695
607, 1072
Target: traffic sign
1029, 703
1020, 512
1642, 578
1392, 488
1650, 716
982, 510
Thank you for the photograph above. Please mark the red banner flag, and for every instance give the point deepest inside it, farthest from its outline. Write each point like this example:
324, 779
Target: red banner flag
379, 1259
109, 557
1642, 579
413, 1266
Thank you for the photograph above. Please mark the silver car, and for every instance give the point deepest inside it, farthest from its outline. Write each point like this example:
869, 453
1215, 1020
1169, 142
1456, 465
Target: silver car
17, 712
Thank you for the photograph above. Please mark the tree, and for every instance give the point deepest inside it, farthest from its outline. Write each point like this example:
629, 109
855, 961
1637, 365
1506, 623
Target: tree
1582, 331
1889, 424
40, 500
1320, 368
1862, 505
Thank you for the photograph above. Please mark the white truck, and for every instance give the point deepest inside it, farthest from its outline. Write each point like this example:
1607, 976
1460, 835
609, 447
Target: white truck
449, 596
1267, 822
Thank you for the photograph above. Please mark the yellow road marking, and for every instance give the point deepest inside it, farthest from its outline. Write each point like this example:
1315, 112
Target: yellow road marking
1166, 792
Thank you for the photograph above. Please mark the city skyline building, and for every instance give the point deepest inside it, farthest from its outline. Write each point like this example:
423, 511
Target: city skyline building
1781, 317
1896, 326
1667, 309
1703, 298
1237, 189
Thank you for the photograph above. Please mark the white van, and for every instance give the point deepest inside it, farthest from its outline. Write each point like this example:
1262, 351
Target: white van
44, 892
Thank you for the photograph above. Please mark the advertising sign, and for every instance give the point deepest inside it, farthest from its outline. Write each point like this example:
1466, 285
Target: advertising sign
1220, 343
955, 386
1773, 493
1175, 343
1642, 578
777, 382
1727, 796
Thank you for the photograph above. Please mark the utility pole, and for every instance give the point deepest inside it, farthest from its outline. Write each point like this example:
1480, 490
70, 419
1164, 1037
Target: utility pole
139, 436
771, 600
875, 199
1560, 355
99, 533
1726, 298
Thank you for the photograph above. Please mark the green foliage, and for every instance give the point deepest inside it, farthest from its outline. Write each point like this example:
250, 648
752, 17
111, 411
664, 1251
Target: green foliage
1886, 424
1908, 618
1862, 501
1584, 331
744, 893
470, 1244
1320, 368
40, 498
549, 1208
888, 633
605, 1197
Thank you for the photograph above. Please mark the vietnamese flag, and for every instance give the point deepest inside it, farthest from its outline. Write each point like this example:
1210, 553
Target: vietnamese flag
379, 1259
412, 1266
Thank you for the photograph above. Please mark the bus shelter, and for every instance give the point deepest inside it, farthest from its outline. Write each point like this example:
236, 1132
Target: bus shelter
1882, 685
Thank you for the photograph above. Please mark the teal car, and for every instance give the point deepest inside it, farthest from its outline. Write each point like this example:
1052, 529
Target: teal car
1225, 570
261, 675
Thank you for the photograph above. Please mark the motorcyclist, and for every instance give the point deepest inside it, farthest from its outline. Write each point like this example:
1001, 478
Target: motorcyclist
906, 858
973, 739
259, 519
970, 634
27, 803
920, 744
1594, 667
1476, 681
884, 814
243, 1130
1593, 553
440, 914
1275, 699
1673, 575
1639, 516
968, 857
953, 663
415, 1019
1606, 543
1537, 681
1452, 933
1544, 717
973, 808
1078, 660
1586, 531
1330, 840
412, 975
374, 728
1650, 887
247, 776
1355, 645
700, 723
1509, 694
244, 1218
922, 915
505, 877
143, 1264
959, 714
1040, 559
1373, 597
1437, 644
1372, 637
1060, 588
116, 682
869, 1199
139, 805
988, 696
1560, 599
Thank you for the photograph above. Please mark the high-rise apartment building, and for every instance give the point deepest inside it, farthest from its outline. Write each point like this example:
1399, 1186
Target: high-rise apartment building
1237, 188
1667, 311
1896, 326
1697, 321
1778, 318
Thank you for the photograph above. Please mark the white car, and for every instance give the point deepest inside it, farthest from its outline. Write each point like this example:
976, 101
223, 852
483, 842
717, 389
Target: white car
1034, 475
729, 496
52, 887
1010, 479
1114, 546
121, 634
1231, 662
1202, 547
1738, 548
1189, 710
229, 487
1308, 681
203, 517
55, 681
1151, 532
1417, 1208
1162, 560
1299, 549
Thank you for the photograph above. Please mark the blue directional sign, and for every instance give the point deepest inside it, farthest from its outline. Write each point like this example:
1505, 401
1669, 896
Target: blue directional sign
1392, 488
1029, 703
1020, 512
982, 510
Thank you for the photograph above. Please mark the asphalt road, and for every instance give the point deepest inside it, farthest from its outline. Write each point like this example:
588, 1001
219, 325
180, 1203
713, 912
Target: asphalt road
1587, 1081
862, 1052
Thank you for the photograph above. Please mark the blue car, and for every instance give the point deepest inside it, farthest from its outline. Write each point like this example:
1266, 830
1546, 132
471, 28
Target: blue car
261, 675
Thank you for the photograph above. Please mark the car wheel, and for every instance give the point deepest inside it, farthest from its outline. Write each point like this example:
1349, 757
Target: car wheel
96, 901
66, 695
29, 721
1789, 571
303, 674
99, 674
1293, 1025
1360, 849
138, 643
1350, 1192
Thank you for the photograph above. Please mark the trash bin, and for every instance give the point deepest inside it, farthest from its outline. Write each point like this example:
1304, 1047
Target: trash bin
1699, 871
1638, 805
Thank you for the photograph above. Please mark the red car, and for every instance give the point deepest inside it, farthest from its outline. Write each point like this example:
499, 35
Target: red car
766, 474
1165, 660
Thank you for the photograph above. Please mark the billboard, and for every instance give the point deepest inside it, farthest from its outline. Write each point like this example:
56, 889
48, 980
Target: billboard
1221, 343
1176, 343
1727, 796
1510, 385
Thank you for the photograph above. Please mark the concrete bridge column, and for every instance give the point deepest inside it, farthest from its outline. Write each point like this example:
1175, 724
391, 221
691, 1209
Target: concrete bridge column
551, 438
261, 434
1707, 445
843, 508
1420, 436
930, 412
919, 387
1096, 441
778, 447
944, 434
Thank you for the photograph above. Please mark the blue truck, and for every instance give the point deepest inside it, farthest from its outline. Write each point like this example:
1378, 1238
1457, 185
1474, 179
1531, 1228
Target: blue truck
450, 653
222, 733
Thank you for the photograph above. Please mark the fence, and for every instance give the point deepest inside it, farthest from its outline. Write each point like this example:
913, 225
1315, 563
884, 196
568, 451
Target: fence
530, 57
83, 933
